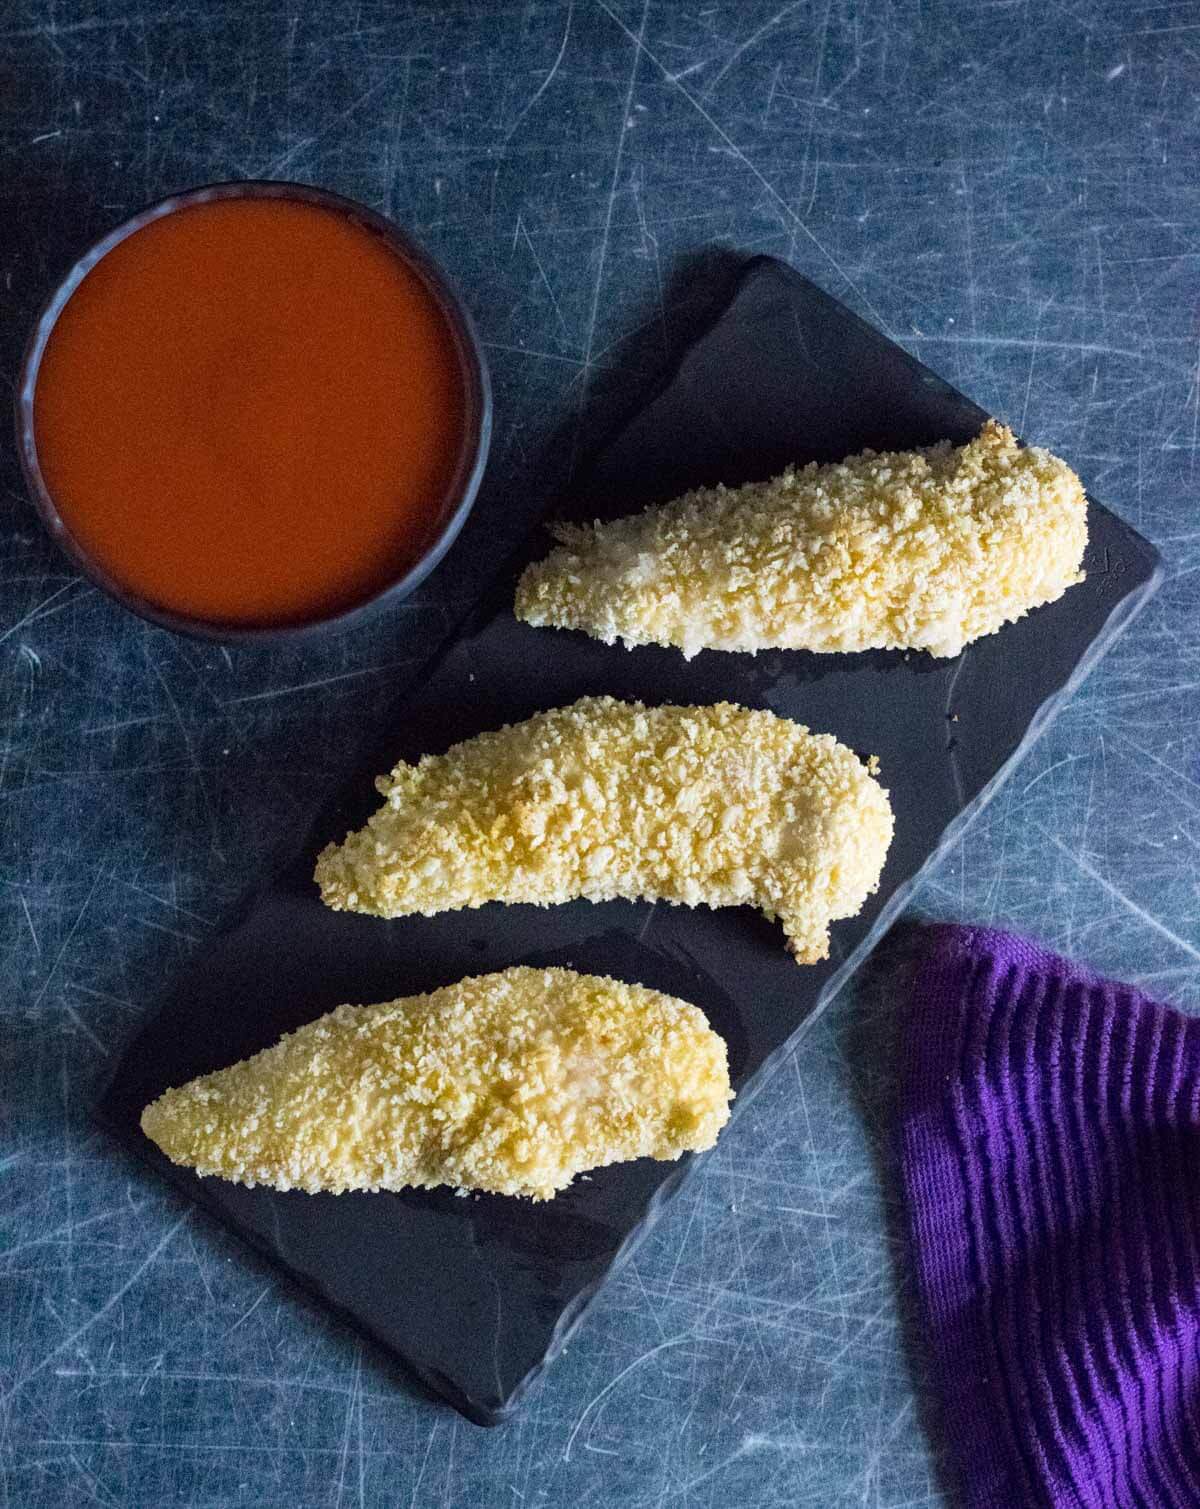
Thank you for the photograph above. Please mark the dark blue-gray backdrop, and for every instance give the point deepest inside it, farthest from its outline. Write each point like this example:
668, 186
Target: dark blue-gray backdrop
1012, 190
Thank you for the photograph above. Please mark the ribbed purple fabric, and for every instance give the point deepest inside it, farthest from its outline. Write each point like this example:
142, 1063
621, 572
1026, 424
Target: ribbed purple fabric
1050, 1125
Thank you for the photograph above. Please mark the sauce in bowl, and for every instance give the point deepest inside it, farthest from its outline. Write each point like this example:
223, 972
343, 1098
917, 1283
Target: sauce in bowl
255, 412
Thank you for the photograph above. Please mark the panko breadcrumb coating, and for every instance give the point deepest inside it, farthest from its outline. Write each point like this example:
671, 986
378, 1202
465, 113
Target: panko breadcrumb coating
716, 805
512, 1082
923, 550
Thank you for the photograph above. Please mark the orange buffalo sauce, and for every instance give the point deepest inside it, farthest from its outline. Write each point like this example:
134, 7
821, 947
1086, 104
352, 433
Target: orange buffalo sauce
250, 411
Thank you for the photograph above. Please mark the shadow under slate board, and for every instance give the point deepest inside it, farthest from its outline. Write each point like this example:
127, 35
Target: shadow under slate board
477, 1295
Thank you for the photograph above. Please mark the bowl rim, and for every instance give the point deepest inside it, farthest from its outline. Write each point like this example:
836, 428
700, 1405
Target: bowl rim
460, 492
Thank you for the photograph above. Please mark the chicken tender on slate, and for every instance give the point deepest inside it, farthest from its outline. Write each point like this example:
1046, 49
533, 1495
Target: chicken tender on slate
715, 805
511, 1082
923, 550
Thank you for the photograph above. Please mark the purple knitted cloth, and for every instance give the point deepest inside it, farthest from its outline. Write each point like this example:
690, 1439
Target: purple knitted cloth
1051, 1163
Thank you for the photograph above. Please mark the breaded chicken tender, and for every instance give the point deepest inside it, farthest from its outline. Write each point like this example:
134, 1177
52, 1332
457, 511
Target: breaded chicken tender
512, 1082
716, 805
922, 550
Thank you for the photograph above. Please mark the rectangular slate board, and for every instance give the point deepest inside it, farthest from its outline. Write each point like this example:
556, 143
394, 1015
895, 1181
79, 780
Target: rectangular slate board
477, 1295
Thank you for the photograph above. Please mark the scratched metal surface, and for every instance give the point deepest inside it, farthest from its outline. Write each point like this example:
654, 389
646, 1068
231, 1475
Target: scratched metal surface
1010, 190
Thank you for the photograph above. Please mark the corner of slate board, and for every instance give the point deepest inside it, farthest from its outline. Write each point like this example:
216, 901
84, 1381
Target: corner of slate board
477, 1296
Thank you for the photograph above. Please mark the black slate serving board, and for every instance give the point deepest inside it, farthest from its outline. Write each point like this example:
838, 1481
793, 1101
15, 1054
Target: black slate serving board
477, 1295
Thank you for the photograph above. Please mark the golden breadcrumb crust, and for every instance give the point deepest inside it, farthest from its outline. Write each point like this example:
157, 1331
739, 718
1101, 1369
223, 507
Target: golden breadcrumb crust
923, 550
512, 1082
717, 805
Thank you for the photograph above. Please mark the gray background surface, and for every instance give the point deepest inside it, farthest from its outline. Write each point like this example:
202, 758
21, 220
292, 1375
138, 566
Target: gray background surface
1010, 190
